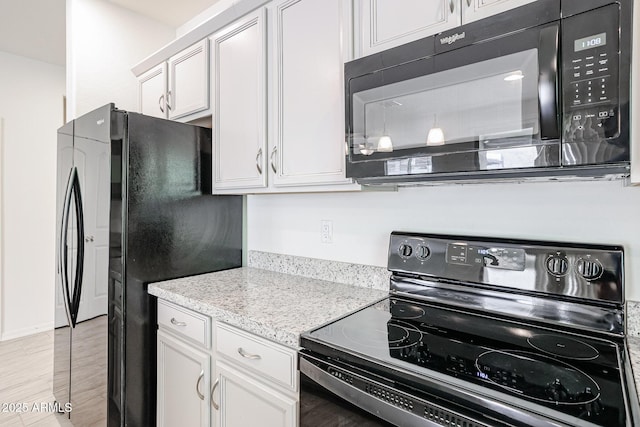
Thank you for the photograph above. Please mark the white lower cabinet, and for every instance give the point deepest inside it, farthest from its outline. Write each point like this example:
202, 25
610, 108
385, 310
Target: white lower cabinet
256, 380
184, 374
245, 401
244, 380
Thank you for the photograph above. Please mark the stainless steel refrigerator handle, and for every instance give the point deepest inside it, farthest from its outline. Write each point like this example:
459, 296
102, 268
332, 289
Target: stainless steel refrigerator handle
258, 156
62, 259
273, 153
77, 288
213, 402
242, 353
160, 101
169, 101
200, 395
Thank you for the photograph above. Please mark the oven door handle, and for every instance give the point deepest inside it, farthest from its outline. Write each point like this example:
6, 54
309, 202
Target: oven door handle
548, 87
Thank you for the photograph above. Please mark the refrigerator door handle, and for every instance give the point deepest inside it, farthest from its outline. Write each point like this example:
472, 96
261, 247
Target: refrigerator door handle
62, 248
77, 287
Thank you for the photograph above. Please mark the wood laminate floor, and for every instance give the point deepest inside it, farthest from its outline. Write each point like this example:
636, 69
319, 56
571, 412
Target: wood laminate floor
26, 377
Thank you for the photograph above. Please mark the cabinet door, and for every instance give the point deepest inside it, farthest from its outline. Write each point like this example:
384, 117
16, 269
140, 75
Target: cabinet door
238, 59
245, 401
152, 89
386, 23
189, 81
307, 144
183, 384
472, 10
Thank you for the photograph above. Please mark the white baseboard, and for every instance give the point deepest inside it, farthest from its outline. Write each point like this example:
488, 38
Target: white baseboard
23, 332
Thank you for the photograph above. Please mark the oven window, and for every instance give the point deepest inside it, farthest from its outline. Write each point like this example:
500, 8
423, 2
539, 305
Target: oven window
490, 107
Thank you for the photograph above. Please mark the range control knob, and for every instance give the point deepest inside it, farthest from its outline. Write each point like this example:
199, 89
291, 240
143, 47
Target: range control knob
589, 269
405, 250
558, 265
423, 252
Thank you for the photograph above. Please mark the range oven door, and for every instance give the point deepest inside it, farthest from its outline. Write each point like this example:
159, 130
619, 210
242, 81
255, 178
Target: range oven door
504, 103
337, 394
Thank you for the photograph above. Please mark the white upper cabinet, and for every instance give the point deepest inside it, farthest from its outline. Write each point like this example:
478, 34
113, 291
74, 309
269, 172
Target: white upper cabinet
473, 10
152, 92
309, 42
189, 81
178, 87
389, 23
239, 80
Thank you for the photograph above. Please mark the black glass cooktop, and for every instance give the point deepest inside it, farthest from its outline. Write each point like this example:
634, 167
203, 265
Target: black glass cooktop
571, 374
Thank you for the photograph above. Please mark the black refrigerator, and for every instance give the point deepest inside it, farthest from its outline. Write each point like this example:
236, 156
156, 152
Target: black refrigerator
133, 207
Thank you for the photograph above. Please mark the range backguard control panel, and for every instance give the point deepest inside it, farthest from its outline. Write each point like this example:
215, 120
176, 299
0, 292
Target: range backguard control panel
590, 74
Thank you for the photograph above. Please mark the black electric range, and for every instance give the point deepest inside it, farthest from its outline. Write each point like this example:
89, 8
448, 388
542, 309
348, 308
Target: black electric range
479, 332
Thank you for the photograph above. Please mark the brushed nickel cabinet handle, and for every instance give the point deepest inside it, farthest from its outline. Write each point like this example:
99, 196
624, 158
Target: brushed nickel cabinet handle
169, 101
175, 322
469, 3
200, 395
213, 402
160, 101
452, 6
273, 165
258, 156
247, 355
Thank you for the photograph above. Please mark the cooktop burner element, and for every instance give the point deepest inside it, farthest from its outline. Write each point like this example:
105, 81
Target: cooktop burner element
537, 377
498, 342
406, 311
563, 346
398, 335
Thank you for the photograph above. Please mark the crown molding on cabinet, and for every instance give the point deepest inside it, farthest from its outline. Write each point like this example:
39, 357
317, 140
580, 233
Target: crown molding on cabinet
204, 30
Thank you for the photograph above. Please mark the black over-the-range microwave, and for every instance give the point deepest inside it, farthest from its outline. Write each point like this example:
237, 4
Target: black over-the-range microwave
540, 91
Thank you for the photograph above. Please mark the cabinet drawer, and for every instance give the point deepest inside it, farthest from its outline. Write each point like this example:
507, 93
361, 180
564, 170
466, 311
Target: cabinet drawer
184, 322
277, 362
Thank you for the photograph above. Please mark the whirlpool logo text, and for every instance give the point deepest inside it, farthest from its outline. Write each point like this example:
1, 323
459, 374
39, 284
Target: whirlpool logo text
452, 39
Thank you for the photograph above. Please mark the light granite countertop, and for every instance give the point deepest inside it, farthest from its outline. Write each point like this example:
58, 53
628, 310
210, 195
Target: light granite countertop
633, 344
273, 305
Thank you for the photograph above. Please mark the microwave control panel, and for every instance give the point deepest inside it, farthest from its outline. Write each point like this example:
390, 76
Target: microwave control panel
590, 74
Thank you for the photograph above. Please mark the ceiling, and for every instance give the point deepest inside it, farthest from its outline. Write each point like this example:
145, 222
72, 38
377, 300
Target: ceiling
36, 28
33, 28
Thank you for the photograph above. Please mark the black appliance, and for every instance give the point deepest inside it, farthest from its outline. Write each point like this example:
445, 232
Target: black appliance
134, 207
478, 332
540, 91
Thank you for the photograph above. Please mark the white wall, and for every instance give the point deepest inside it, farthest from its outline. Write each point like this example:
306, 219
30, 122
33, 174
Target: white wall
103, 42
208, 13
32, 108
587, 212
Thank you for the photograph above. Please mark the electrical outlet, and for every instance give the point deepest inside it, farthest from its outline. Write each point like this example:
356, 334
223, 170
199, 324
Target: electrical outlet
326, 231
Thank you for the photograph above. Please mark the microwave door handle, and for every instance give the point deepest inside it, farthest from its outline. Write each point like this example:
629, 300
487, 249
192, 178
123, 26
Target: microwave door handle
548, 98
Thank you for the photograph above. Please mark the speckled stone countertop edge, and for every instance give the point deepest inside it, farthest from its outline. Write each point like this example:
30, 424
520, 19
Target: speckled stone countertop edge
277, 306
240, 321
